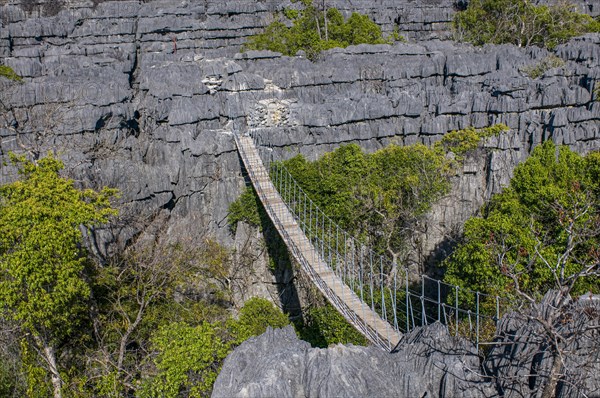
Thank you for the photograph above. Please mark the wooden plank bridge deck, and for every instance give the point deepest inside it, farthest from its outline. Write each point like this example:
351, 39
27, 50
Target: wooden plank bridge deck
358, 313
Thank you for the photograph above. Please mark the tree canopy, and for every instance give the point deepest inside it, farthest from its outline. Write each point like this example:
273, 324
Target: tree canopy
542, 232
42, 283
377, 197
41, 255
313, 30
522, 23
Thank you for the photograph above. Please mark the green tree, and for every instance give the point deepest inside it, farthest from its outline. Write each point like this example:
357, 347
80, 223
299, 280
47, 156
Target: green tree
43, 286
521, 22
188, 361
141, 290
255, 316
188, 357
541, 233
246, 208
313, 30
377, 197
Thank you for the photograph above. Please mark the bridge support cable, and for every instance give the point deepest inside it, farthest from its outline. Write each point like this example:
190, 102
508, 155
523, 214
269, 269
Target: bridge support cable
311, 260
375, 295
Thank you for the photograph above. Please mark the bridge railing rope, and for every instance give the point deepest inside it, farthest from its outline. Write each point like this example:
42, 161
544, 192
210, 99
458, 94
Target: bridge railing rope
340, 296
405, 301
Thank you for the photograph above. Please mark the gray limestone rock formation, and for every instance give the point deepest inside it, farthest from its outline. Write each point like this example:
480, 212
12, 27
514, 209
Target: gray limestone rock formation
522, 360
145, 96
427, 363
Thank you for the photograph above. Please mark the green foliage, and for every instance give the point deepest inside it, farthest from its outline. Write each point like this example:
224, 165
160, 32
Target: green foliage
254, 318
521, 22
463, 141
12, 381
188, 357
147, 288
155, 308
537, 70
377, 197
42, 282
37, 380
44, 287
538, 234
324, 326
246, 208
596, 90
188, 360
9, 73
313, 31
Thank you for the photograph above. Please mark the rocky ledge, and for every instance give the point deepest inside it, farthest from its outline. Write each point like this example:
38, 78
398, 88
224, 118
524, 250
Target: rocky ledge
428, 362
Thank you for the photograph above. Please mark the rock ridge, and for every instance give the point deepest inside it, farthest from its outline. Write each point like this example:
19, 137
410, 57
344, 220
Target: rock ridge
143, 97
427, 362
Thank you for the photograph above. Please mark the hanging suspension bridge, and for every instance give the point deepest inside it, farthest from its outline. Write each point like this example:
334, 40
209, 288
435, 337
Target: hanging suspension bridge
376, 296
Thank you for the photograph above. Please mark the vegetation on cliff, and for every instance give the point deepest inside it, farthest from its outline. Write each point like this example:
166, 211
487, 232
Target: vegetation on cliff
542, 232
522, 23
152, 320
43, 284
9, 73
380, 198
540, 236
314, 30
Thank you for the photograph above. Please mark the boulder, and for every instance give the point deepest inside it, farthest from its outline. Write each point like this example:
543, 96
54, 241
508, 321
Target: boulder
426, 363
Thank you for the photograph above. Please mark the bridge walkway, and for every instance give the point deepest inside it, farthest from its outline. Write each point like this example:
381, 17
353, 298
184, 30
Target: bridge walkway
358, 313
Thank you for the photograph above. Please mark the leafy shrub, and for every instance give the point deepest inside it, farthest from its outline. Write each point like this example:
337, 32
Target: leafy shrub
254, 318
377, 197
324, 326
188, 360
313, 30
460, 142
522, 23
246, 208
537, 70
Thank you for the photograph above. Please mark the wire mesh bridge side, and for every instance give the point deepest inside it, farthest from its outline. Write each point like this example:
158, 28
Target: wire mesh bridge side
374, 294
341, 296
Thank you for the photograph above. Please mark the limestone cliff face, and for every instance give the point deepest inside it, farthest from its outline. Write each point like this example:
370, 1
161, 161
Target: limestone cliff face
144, 96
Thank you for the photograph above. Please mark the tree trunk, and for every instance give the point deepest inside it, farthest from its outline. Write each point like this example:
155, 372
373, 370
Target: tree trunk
325, 18
318, 25
553, 377
50, 356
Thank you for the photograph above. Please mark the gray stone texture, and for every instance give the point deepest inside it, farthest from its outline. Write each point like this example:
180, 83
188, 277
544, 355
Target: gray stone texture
521, 361
143, 96
426, 363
